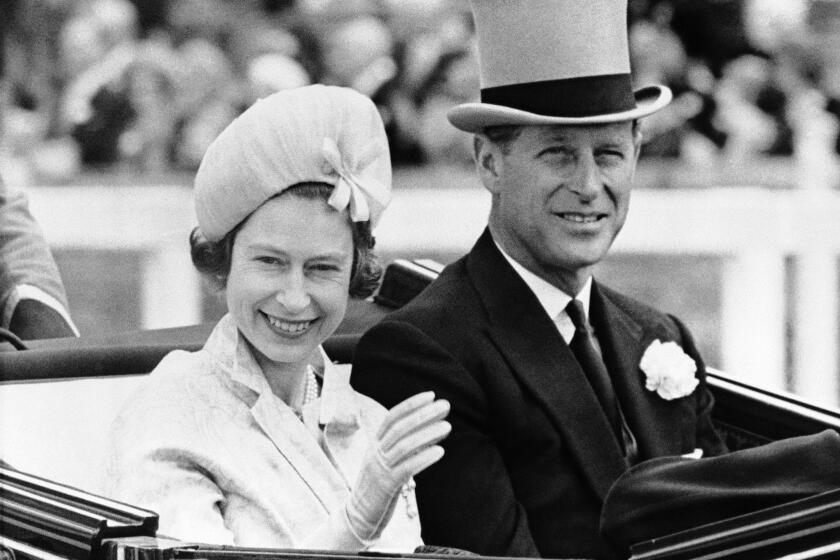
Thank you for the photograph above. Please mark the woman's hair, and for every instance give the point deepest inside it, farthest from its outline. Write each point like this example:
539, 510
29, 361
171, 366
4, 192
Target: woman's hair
212, 258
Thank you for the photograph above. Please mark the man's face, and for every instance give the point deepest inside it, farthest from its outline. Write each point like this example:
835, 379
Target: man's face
561, 195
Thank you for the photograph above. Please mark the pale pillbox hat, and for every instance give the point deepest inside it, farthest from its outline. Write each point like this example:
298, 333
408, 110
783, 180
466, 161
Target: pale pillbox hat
554, 62
314, 133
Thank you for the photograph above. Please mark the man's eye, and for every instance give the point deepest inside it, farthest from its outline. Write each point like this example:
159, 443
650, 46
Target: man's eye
611, 156
268, 260
557, 155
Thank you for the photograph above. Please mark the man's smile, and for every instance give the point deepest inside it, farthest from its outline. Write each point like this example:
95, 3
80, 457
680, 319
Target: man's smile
581, 217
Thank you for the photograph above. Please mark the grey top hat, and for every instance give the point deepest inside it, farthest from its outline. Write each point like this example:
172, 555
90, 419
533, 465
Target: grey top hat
554, 62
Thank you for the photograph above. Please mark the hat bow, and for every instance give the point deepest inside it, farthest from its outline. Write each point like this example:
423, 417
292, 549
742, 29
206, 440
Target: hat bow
350, 190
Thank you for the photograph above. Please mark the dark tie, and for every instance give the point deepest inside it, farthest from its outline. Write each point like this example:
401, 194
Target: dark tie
586, 351
590, 360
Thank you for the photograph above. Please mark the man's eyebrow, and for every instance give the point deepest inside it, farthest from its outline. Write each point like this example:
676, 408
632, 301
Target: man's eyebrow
556, 136
614, 143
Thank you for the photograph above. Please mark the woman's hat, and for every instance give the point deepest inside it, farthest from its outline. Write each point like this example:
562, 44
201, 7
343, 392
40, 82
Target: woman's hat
554, 62
316, 133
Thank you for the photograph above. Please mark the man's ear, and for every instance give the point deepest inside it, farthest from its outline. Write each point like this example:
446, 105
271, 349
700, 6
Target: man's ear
488, 160
637, 140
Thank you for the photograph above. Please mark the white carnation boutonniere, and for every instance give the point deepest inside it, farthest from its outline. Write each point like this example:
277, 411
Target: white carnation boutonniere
669, 370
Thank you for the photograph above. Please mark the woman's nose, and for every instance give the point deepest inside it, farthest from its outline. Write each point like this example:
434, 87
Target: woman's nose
292, 293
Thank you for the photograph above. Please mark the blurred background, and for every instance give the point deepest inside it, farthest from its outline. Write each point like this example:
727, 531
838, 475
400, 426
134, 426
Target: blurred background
107, 106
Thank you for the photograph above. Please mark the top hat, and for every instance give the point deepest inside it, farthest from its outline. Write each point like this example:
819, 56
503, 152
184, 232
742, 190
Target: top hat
554, 62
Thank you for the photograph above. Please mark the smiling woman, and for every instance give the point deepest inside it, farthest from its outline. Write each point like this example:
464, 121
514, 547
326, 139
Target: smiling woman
258, 439
287, 277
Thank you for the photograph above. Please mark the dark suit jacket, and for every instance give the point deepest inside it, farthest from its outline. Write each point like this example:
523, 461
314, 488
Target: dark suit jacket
531, 455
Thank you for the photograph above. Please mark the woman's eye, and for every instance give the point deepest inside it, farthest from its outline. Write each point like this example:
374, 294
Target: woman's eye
324, 268
268, 260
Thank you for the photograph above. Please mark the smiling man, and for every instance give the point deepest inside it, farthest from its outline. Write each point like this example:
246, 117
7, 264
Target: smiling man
557, 383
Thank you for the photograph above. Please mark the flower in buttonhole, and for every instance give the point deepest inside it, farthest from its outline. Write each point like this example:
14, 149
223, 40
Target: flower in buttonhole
669, 370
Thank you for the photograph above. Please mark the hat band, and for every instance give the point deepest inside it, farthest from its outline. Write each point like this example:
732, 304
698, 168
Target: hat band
571, 97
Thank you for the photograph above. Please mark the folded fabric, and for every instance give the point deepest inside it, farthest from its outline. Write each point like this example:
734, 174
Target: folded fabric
670, 494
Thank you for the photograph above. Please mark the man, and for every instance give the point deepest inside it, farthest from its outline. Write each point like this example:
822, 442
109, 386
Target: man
32, 299
545, 415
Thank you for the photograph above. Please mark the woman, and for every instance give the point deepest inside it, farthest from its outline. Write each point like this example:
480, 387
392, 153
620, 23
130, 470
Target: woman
258, 439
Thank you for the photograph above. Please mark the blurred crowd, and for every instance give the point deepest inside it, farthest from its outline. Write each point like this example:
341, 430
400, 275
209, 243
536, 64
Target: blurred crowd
146, 85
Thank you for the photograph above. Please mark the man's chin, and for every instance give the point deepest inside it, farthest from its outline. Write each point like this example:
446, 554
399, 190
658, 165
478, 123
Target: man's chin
582, 258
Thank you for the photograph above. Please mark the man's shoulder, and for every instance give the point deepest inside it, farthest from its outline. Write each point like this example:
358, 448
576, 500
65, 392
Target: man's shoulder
450, 296
446, 316
641, 312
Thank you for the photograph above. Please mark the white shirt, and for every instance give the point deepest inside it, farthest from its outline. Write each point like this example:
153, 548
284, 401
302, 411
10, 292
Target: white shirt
553, 299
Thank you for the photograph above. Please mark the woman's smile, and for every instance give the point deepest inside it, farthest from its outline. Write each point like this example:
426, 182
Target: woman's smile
289, 327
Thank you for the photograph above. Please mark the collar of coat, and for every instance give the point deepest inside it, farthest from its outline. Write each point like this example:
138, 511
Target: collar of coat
337, 406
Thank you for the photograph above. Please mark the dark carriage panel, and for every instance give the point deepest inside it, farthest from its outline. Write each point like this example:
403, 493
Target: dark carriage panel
807, 528
750, 416
40, 519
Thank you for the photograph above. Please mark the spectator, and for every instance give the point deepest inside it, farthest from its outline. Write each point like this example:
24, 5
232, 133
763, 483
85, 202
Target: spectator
358, 53
32, 299
209, 97
29, 142
98, 44
411, 57
750, 131
270, 73
150, 90
453, 80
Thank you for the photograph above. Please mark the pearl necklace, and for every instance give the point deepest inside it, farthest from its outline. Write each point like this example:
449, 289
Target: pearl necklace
311, 388
310, 391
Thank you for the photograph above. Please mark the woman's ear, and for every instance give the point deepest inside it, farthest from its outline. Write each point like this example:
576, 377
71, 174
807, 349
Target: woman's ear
488, 162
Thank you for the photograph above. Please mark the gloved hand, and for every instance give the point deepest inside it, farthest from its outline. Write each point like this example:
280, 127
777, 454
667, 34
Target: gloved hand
404, 446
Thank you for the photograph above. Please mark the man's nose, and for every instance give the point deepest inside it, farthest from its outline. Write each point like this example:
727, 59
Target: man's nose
292, 293
588, 182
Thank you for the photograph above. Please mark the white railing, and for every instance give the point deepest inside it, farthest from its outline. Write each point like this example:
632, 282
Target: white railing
753, 229
151, 221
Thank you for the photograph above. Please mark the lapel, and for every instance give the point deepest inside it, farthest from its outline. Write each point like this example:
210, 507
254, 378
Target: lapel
623, 341
339, 412
292, 439
538, 356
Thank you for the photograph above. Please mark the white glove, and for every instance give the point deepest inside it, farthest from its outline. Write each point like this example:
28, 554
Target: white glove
404, 446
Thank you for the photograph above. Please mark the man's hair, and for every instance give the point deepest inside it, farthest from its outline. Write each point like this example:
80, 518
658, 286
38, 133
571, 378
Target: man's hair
504, 135
213, 258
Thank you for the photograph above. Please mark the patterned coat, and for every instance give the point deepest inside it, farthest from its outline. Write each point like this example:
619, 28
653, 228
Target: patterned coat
208, 446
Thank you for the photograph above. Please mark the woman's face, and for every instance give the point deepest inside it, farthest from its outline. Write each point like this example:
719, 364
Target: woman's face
289, 278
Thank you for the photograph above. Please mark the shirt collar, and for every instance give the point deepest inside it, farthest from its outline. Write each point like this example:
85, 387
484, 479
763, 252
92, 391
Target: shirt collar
553, 299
